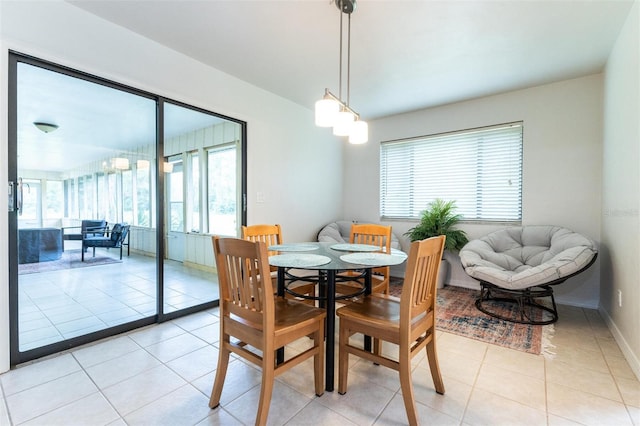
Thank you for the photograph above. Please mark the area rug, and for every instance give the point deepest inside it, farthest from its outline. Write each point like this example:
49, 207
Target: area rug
456, 313
70, 259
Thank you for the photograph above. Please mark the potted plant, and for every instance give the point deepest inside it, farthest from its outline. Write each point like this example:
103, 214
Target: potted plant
440, 219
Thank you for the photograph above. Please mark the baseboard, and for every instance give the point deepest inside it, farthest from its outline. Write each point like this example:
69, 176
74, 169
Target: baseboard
631, 358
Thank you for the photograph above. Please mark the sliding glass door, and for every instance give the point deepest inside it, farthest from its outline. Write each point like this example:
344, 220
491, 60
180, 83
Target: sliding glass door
106, 236
203, 198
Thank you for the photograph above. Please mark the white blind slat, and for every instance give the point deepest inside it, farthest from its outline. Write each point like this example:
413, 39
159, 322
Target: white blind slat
481, 169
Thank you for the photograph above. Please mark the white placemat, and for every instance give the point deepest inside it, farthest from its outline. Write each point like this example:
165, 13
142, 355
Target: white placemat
292, 247
298, 260
373, 259
355, 247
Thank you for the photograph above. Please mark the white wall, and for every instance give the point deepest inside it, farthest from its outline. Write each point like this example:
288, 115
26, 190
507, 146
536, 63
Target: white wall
295, 164
561, 169
620, 254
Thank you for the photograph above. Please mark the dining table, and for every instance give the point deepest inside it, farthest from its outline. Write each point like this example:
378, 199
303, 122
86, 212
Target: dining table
327, 260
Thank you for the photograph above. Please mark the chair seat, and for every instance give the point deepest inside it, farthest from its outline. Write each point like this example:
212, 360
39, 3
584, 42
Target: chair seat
379, 308
99, 242
290, 313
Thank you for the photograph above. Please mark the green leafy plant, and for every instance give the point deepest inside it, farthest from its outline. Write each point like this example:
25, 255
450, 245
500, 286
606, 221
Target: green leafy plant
440, 219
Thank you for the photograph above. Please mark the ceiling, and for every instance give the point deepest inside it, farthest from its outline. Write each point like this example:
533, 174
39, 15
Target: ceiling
405, 55
95, 122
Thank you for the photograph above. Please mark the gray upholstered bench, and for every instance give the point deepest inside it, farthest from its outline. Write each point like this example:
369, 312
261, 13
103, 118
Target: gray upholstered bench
520, 264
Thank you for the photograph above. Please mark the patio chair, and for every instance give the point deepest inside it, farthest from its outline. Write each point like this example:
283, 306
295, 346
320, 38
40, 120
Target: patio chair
117, 237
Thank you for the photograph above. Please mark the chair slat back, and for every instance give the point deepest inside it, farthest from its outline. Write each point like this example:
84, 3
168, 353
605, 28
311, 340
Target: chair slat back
419, 290
372, 234
268, 234
240, 265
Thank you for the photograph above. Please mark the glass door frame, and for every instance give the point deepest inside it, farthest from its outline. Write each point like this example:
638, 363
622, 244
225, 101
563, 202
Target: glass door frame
17, 357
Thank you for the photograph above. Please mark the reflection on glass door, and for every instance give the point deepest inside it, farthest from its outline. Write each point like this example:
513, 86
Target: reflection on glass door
202, 176
86, 242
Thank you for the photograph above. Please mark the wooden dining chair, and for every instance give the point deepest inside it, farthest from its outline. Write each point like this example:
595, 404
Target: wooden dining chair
260, 322
268, 234
374, 235
272, 235
408, 323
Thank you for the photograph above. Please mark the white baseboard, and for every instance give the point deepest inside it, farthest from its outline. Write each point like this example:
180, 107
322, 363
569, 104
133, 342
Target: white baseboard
631, 358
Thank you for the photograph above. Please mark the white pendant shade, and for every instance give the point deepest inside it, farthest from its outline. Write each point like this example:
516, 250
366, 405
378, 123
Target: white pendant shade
331, 110
326, 111
344, 121
359, 132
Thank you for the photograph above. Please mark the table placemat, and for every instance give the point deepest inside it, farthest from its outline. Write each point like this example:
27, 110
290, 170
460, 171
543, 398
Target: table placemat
292, 247
373, 259
298, 260
355, 247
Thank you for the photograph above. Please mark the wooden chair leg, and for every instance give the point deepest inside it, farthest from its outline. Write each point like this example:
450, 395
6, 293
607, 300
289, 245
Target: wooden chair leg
318, 360
377, 346
343, 358
266, 389
407, 387
432, 356
221, 372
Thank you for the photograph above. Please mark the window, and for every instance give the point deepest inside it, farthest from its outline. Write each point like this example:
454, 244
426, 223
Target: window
194, 193
54, 199
481, 169
127, 196
222, 190
143, 195
176, 198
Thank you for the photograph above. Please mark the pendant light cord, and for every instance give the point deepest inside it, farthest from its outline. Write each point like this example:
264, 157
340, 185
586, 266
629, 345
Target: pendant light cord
348, 59
340, 76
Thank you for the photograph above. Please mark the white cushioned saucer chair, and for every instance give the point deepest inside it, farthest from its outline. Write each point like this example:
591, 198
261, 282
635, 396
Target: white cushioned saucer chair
520, 264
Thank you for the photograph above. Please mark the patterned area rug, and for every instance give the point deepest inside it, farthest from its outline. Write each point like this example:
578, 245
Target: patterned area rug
70, 259
457, 314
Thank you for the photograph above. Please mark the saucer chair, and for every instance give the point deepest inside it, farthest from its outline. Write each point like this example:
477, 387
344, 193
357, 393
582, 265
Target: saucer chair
520, 265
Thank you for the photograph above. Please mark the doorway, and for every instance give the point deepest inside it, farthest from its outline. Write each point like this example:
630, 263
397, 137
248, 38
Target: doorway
94, 172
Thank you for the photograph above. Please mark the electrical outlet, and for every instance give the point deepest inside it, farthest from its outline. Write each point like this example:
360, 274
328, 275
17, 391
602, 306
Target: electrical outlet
620, 298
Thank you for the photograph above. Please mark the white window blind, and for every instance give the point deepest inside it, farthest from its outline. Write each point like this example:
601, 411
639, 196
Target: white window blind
480, 169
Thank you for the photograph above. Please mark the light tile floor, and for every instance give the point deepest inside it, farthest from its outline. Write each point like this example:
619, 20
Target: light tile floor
163, 374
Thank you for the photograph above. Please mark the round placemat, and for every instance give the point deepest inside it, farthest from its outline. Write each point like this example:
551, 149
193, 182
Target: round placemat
373, 259
298, 260
355, 247
293, 247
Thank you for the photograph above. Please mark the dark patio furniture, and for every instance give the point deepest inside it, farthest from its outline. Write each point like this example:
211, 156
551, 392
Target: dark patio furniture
116, 237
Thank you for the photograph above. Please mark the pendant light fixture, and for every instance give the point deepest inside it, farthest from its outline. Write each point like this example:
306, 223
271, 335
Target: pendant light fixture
331, 110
